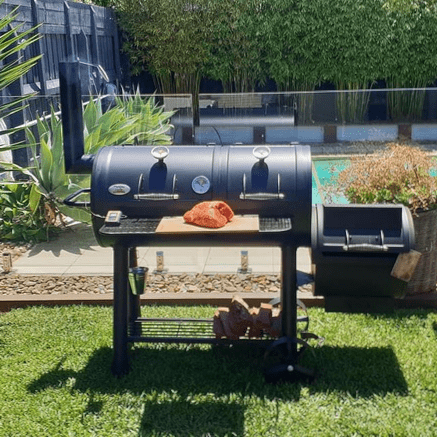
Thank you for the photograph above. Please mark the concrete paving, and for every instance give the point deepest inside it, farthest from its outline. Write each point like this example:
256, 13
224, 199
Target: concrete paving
76, 252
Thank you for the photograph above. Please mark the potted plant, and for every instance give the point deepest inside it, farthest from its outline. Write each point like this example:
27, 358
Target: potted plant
401, 173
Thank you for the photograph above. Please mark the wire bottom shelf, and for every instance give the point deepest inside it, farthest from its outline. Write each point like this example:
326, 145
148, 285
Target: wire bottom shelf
148, 330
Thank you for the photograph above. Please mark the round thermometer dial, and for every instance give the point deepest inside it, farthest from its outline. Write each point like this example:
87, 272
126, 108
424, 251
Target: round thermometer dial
261, 152
160, 152
200, 184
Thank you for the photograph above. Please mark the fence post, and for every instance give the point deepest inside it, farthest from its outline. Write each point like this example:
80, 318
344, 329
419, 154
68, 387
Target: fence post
42, 64
116, 47
69, 32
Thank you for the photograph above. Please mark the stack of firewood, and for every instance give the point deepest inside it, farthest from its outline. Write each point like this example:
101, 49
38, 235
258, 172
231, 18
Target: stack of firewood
237, 320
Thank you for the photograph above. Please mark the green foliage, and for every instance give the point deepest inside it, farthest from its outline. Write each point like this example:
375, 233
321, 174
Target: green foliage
155, 122
399, 174
23, 217
169, 38
133, 119
299, 44
352, 105
236, 50
48, 172
12, 43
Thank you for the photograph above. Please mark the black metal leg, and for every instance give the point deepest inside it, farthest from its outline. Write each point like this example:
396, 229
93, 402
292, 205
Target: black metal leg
281, 358
133, 299
289, 292
120, 365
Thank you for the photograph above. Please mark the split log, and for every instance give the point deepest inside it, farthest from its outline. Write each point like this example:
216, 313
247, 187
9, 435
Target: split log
261, 319
276, 323
234, 321
217, 326
239, 316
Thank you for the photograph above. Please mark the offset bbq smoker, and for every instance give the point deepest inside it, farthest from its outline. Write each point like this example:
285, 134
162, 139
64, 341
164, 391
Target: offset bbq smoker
134, 188
354, 249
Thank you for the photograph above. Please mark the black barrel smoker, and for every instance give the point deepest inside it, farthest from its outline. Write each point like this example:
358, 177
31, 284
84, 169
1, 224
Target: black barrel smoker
133, 188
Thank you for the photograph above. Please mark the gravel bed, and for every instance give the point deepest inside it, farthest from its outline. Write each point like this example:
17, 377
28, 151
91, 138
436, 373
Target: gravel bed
186, 283
11, 284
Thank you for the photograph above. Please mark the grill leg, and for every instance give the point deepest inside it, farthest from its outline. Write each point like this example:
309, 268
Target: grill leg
289, 292
120, 365
133, 300
281, 358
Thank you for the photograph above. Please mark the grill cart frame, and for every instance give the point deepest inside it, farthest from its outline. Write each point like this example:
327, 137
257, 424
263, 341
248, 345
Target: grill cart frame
130, 327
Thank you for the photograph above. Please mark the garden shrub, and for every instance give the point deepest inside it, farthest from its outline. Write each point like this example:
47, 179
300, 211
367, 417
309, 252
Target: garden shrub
22, 217
399, 174
236, 55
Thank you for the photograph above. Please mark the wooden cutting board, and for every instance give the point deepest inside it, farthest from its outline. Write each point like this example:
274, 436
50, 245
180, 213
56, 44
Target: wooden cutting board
240, 223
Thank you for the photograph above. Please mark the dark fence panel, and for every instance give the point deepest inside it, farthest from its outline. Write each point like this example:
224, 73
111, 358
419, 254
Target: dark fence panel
69, 31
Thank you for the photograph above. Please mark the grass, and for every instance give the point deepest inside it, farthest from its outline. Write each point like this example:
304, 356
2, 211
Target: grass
377, 377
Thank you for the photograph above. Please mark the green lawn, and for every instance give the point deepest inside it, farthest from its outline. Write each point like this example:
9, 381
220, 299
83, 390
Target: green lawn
377, 377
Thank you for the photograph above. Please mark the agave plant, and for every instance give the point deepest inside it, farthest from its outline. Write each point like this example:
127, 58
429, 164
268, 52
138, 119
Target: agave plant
132, 120
155, 122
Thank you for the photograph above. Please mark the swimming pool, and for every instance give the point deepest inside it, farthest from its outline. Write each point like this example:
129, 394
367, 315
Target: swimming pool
325, 173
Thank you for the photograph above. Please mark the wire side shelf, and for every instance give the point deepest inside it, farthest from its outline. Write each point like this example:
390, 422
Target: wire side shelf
149, 330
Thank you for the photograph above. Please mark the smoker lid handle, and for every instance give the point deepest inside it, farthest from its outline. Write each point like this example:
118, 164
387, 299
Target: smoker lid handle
70, 202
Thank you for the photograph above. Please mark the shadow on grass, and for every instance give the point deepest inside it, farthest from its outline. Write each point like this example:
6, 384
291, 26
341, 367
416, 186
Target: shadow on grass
185, 390
202, 390
360, 372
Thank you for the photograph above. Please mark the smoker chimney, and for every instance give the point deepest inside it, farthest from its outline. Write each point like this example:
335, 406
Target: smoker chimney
72, 119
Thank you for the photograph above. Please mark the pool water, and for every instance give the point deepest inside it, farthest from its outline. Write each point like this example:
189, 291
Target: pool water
325, 173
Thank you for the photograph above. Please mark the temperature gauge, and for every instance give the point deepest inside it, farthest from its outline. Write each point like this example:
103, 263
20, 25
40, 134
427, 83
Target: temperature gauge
261, 152
160, 152
200, 184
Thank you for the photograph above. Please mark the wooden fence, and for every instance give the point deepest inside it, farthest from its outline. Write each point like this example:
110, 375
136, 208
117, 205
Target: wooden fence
68, 31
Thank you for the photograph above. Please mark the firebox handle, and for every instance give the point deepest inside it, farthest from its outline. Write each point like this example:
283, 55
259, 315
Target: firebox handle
70, 202
365, 247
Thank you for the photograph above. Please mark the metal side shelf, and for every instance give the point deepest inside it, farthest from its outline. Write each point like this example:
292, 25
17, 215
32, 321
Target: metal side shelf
148, 330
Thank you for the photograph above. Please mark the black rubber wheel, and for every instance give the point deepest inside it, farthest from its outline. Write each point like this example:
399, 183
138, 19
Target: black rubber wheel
281, 362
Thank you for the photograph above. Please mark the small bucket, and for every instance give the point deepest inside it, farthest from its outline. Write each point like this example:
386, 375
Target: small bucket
138, 279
